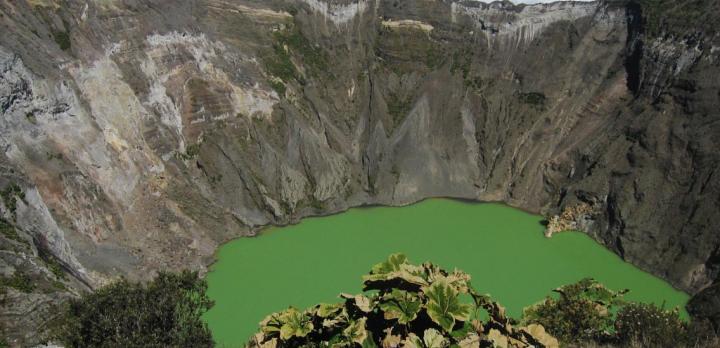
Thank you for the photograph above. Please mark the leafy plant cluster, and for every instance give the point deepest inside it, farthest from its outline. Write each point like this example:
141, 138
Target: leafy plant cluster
311, 55
8, 230
649, 326
191, 151
404, 305
583, 311
62, 39
587, 312
19, 281
10, 194
164, 313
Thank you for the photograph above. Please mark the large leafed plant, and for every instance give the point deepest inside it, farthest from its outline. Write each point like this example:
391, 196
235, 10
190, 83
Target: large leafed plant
404, 305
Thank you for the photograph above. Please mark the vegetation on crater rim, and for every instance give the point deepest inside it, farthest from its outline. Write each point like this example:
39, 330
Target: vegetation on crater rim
406, 305
403, 305
164, 313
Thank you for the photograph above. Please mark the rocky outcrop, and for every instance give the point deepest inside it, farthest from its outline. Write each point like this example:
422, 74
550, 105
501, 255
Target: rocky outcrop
707, 305
144, 134
572, 218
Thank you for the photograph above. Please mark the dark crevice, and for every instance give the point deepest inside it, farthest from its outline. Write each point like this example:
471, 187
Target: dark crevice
634, 46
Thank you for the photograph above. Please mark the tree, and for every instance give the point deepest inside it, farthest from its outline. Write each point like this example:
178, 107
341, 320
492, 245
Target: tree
582, 311
166, 312
650, 326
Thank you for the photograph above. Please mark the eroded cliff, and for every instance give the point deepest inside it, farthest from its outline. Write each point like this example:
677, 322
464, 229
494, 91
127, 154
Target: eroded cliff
139, 135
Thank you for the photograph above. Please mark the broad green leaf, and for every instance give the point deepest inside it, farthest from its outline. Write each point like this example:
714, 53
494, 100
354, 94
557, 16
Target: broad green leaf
395, 268
294, 324
498, 339
391, 265
335, 319
413, 276
412, 341
444, 306
257, 339
465, 330
270, 324
362, 302
431, 339
369, 341
539, 334
460, 281
356, 331
434, 339
401, 305
270, 344
325, 310
390, 340
470, 341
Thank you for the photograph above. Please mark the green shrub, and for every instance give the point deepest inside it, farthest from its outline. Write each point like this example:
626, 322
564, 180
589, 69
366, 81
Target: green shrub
9, 231
164, 313
279, 87
535, 99
582, 312
398, 107
19, 281
62, 38
404, 305
54, 266
191, 151
312, 56
10, 195
280, 65
290, 46
649, 326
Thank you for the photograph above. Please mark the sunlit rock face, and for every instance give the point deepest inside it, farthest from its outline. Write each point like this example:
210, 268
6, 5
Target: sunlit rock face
143, 134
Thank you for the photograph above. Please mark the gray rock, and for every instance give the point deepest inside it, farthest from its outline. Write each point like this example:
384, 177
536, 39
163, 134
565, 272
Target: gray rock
162, 129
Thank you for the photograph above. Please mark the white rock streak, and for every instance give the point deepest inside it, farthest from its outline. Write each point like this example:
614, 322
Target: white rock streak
408, 23
338, 14
524, 26
247, 100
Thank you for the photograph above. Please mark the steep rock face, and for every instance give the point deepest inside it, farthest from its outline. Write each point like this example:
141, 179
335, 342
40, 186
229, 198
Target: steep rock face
143, 134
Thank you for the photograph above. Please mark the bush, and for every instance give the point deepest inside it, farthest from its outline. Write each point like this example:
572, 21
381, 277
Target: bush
9, 231
649, 325
62, 38
165, 312
10, 195
535, 99
583, 312
19, 281
406, 306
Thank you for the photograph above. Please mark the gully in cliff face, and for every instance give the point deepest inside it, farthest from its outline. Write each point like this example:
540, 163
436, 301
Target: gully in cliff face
634, 49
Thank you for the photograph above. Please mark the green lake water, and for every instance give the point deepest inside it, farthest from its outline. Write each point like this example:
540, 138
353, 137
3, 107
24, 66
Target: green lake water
502, 248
